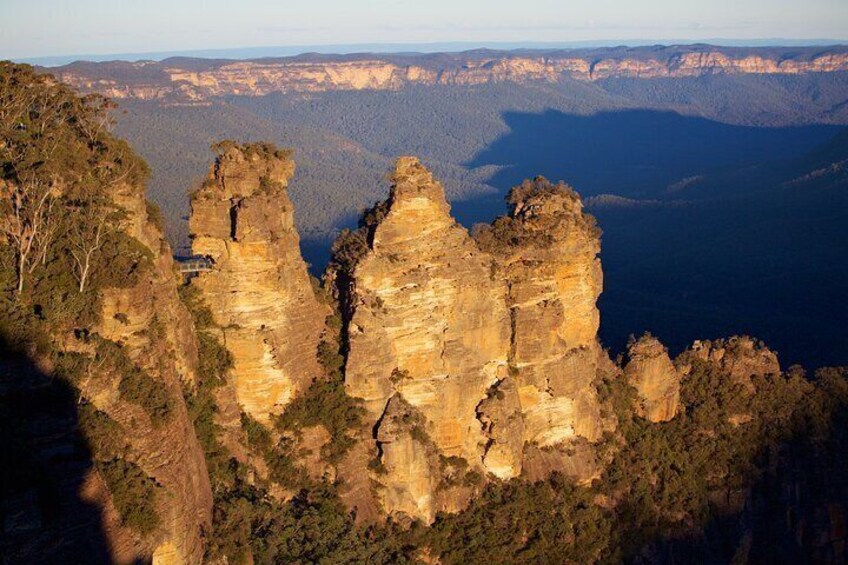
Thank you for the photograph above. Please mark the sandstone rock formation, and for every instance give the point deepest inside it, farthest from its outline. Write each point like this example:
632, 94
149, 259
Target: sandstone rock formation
426, 322
409, 460
489, 345
259, 289
200, 82
740, 357
546, 253
650, 371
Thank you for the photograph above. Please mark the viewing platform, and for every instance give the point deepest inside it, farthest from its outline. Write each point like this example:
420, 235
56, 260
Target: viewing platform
193, 265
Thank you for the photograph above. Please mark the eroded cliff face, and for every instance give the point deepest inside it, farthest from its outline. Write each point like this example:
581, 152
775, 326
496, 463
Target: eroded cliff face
489, 346
258, 289
154, 330
657, 382
427, 323
546, 254
200, 82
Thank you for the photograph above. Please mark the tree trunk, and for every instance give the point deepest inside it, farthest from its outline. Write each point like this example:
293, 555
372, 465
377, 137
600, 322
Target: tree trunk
21, 272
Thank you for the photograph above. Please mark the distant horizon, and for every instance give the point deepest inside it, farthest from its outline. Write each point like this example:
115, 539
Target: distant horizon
256, 52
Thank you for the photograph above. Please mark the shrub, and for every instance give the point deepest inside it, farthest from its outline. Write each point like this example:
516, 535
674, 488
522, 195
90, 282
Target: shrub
133, 493
325, 403
138, 387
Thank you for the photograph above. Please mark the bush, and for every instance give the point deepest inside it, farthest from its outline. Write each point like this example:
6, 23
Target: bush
325, 403
138, 387
133, 493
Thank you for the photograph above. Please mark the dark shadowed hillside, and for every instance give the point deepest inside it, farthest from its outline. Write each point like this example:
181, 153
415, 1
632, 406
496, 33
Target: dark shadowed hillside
762, 251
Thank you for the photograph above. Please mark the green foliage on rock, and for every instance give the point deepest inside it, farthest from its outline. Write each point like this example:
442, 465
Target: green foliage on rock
325, 403
133, 493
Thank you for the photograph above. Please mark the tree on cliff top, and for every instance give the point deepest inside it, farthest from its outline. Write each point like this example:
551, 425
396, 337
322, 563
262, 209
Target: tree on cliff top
59, 170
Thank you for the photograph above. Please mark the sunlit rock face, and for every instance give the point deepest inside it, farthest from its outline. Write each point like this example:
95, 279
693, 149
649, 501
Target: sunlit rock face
491, 343
650, 371
259, 289
409, 462
546, 254
200, 84
428, 322
739, 357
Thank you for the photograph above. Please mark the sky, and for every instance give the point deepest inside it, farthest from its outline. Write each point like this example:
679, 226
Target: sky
38, 28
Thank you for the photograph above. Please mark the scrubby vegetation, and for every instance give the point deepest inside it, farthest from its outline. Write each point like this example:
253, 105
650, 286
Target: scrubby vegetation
133, 494
325, 404
61, 169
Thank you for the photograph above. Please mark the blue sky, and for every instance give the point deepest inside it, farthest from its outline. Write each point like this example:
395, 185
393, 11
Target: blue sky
33, 28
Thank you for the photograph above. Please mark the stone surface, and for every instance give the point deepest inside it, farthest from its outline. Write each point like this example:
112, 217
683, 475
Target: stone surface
650, 371
491, 342
503, 423
546, 253
427, 320
155, 331
259, 289
410, 462
740, 357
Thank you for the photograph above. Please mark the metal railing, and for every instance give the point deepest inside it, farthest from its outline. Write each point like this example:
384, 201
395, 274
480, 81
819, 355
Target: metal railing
191, 265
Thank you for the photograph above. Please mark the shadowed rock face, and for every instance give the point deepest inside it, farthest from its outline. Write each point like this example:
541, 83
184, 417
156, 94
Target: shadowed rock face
546, 255
259, 290
650, 371
169, 356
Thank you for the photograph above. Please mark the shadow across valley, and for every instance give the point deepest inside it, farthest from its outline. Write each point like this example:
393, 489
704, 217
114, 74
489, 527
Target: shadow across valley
743, 255
634, 153
748, 256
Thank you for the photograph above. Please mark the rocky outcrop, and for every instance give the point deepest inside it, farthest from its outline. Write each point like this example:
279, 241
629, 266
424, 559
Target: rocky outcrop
258, 290
739, 357
203, 80
650, 371
503, 425
426, 322
490, 342
409, 460
546, 254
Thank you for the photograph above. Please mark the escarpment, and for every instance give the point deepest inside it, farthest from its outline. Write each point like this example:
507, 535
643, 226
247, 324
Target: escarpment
198, 81
97, 349
258, 290
154, 332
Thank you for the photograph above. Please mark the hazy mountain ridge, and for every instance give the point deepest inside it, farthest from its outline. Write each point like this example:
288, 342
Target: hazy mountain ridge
188, 80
